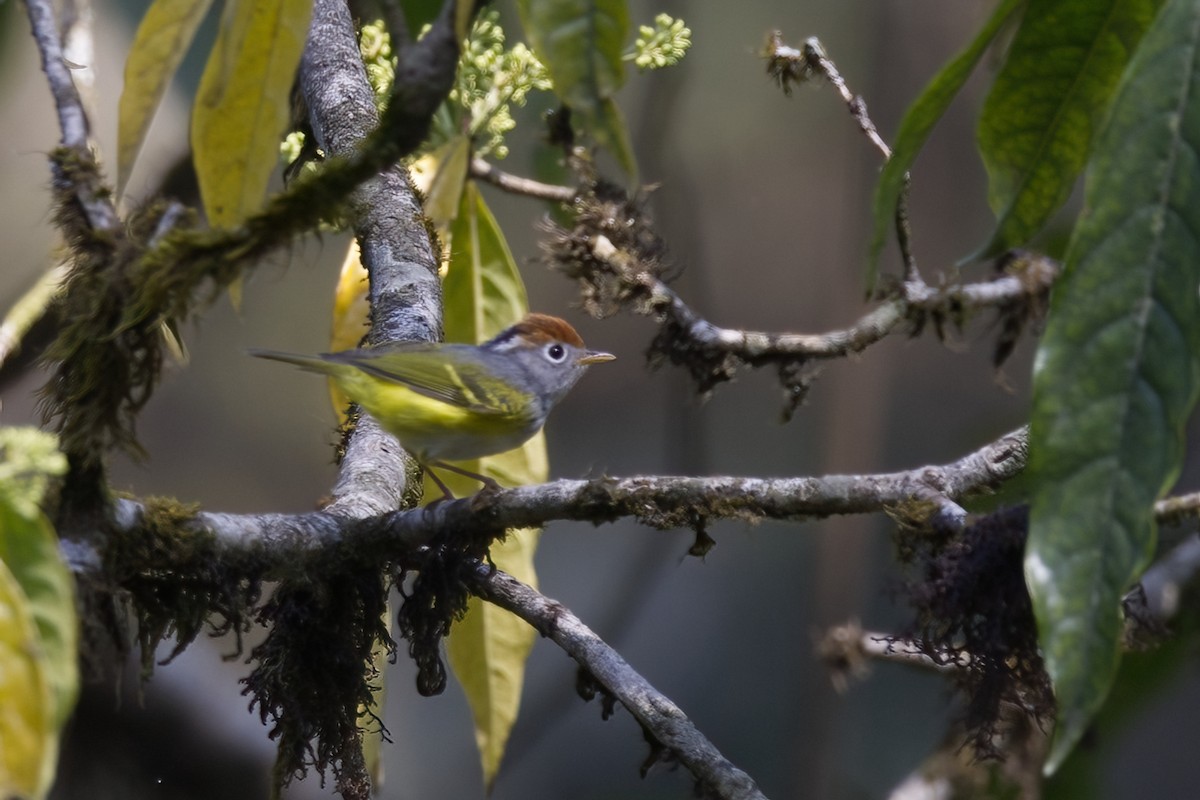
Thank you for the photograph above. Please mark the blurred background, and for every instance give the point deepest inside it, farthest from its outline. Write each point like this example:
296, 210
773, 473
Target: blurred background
764, 203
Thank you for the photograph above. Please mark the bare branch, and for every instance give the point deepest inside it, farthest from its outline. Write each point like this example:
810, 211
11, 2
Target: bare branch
1158, 595
639, 283
1173, 510
846, 649
660, 717
518, 185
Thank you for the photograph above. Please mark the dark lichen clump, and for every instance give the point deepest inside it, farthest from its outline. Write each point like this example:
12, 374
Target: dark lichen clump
175, 581
973, 611
315, 675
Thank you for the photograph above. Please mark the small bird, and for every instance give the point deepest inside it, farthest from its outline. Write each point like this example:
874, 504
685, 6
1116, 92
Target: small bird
460, 401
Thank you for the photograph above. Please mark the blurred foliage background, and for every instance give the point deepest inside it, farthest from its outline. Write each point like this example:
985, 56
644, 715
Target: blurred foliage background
764, 202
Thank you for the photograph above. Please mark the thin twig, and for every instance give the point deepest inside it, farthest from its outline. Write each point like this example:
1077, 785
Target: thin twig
518, 185
660, 717
814, 53
789, 65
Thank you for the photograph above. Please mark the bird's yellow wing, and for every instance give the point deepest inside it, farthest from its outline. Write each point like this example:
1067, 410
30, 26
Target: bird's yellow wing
449, 373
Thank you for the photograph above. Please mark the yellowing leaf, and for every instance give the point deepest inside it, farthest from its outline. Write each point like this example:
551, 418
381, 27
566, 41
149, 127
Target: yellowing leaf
161, 41
488, 649
241, 107
483, 294
351, 315
29, 458
26, 738
29, 549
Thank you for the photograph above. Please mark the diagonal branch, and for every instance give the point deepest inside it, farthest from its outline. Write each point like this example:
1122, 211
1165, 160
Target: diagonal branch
659, 717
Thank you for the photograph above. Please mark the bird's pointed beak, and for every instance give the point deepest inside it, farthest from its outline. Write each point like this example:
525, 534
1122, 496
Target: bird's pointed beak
594, 357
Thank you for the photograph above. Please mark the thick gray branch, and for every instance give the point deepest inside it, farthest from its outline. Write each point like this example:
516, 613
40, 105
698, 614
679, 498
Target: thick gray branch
388, 219
281, 542
405, 293
657, 714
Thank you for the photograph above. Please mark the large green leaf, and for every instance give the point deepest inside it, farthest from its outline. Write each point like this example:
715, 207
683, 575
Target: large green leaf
483, 292
1046, 103
919, 120
582, 42
161, 41
242, 105
483, 295
1118, 369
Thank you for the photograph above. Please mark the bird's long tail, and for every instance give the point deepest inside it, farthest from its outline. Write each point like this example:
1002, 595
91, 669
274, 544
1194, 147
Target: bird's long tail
310, 363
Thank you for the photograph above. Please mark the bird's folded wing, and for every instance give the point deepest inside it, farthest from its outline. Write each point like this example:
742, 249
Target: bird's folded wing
460, 381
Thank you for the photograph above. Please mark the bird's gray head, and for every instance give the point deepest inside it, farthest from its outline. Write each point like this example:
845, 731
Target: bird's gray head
548, 352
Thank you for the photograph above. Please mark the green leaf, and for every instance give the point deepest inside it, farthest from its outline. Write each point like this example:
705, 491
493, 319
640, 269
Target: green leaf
242, 105
483, 292
26, 730
1118, 369
483, 295
582, 43
608, 126
1047, 102
161, 41
919, 120
1145, 678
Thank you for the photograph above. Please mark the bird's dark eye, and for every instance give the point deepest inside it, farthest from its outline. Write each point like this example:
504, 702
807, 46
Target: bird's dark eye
556, 352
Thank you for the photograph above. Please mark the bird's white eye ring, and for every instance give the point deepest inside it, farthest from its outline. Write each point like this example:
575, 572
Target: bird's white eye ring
556, 352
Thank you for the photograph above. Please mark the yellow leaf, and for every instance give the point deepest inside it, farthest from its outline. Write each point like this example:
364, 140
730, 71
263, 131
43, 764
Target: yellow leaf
351, 315
26, 739
29, 550
161, 41
29, 461
483, 294
241, 106
488, 649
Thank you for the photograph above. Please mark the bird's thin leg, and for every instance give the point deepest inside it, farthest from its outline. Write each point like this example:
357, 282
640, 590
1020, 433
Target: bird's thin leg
446, 493
466, 473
